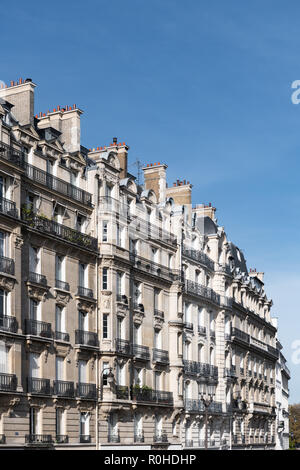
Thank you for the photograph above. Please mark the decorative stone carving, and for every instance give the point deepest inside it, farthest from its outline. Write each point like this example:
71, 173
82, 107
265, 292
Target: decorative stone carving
38, 293
7, 283
62, 297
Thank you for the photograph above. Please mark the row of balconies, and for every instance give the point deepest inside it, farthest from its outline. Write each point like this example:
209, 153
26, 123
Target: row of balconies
197, 406
193, 367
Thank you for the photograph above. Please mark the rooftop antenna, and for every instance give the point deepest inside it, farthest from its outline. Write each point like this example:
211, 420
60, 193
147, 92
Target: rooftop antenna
139, 166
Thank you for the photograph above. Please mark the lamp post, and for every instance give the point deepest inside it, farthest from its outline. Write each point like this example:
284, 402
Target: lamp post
207, 393
110, 379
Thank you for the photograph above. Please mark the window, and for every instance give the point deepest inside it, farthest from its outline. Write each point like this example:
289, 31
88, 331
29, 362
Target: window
156, 299
83, 320
34, 260
119, 283
4, 307
137, 330
59, 421
105, 372
34, 365
119, 328
59, 268
34, 310
4, 351
80, 223
170, 261
82, 371
34, 421
105, 326
84, 424
105, 278
157, 339
59, 319
4, 187
59, 368
82, 275
104, 230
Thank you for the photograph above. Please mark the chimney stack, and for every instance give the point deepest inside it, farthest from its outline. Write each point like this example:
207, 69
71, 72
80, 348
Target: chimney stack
21, 95
155, 179
181, 192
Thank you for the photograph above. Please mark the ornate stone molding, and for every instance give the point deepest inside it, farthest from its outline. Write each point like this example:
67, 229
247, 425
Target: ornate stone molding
62, 297
7, 283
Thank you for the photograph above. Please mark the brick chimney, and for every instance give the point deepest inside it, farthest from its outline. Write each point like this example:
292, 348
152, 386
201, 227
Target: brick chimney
181, 192
155, 179
67, 121
122, 151
254, 273
21, 95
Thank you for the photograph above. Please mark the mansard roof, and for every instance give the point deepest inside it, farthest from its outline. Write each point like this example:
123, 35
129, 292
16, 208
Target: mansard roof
206, 225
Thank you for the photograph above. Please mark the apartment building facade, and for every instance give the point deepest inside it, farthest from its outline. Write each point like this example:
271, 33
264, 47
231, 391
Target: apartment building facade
128, 319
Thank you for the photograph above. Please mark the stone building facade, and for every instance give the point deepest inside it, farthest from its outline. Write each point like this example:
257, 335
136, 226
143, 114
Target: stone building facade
123, 306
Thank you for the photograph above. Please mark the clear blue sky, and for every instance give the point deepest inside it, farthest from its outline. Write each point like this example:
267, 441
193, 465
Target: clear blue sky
203, 86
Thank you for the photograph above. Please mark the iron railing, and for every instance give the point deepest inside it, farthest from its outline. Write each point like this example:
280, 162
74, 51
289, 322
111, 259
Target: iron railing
160, 355
86, 390
62, 336
85, 438
201, 330
12, 155
141, 352
8, 382
198, 406
8, 207
152, 231
37, 278
154, 268
122, 392
241, 335
188, 325
198, 256
62, 285
61, 439
160, 437
38, 386
139, 436
202, 291
7, 265
38, 439
62, 388
85, 292
51, 227
58, 185
38, 328
8, 323
144, 394
123, 346
86, 338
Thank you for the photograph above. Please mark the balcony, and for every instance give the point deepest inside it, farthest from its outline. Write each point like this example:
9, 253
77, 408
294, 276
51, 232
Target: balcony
122, 298
188, 326
190, 367
202, 291
37, 279
273, 351
50, 227
159, 314
146, 394
86, 390
38, 386
8, 382
62, 336
38, 328
141, 352
7, 265
161, 437
123, 346
139, 436
86, 338
154, 269
8, 323
122, 392
202, 330
63, 389
240, 335
194, 405
226, 302
85, 292
230, 372
151, 231
61, 439
85, 438
212, 334
62, 285
58, 185
8, 207
2, 439
161, 356
189, 443
199, 256
11, 155
38, 439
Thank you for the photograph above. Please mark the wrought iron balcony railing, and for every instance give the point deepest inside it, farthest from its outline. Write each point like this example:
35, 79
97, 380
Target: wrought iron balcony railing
155, 269
86, 390
8, 207
8, 323
7, 265
122, 298
160, 437
62, 336
51, 227
145, 394
15, 156
38, 439
62, 285
235, 332
58, 185
141, 352
85, 292
198, 406
161, 356
201, 330
38, 328
62, 388
151, 231
188, 326
8, 382
139, 436
37, 278
198, 256
123, 346
86, 338
202, 291
38, 386
61, 439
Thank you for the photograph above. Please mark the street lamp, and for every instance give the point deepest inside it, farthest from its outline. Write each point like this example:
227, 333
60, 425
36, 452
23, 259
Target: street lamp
110, 379
207, 393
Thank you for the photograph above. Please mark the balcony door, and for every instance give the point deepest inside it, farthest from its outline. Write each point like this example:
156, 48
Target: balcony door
34, 423
59, 422
34, 365
59, 368
82, 372
83, 321
3, 305
3, 358
84, 424
34, 260
82, 275
34, 310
